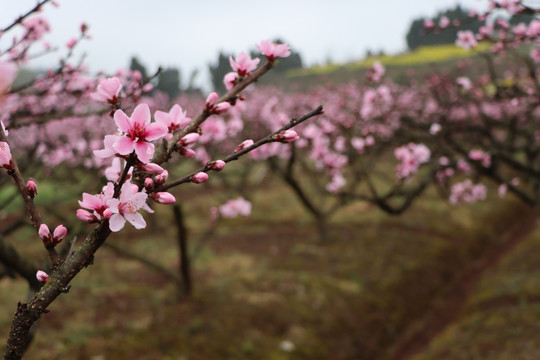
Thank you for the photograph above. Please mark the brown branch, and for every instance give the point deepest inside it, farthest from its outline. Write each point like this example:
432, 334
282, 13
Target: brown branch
236, 155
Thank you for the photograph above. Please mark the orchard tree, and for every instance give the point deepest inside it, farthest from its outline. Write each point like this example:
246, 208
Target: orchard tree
68, 117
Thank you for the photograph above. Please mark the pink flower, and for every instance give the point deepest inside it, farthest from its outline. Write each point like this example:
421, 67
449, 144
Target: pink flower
236, 207
175, 119
435, 128
444, 22
5, 156
429, 24
126, 208
42, 276
114, 172
466, 39
535, 55
71, 43
272, 50
376, 72
199, 177
163, 198
108, 149
138, 131
8, 71
243, 64
108, 90
96, 203
35, 26
230, 80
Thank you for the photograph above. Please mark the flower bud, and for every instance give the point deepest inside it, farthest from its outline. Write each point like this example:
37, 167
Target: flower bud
211, 100
217, 165
199, 177
150, 168
161, 178
189, 139
163, 198
107, 213
44, 233
189, 153
287, 136
42, 276
149, 184
244, 145
87, 216
31, 188
59, 234
221, 108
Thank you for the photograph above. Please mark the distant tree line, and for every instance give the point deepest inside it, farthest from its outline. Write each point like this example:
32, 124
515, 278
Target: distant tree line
169, 79
222, 67
416, 36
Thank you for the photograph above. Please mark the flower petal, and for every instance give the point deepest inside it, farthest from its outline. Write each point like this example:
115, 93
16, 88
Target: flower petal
155, 131
144, 151
124, 145
116, 222
136, 220
122, 121
141, 115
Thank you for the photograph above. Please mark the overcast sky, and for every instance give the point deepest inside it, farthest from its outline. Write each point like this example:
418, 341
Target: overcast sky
189, 34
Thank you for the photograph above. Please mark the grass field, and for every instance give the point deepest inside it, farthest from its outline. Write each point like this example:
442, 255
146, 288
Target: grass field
265, 288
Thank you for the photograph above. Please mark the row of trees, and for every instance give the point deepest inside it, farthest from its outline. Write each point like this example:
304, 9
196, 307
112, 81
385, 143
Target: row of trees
377, 141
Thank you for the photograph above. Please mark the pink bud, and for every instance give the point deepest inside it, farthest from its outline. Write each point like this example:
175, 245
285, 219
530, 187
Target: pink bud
244, 145
31, 188
87, 216
287, 136
164, 198
160, 179
211, 100
221, 108
44, 233
59, 234
189, 139
189, 153
148, 184
217, 165
42, 276
107, 213
150, 168
147, 88
199, 177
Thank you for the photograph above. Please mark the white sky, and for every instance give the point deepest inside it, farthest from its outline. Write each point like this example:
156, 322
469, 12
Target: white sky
189, 34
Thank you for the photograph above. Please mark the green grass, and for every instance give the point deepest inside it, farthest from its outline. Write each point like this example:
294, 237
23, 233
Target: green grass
264, 280
422, 56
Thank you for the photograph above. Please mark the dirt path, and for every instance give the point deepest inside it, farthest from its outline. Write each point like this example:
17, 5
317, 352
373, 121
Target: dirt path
446, 307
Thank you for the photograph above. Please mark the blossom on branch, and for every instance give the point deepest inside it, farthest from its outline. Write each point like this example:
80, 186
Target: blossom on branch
42, 276
243, 64
5, 156
108, 90
272, 50
174, 120
466, 39
236, 207
126, 207
8, 71
137, 132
